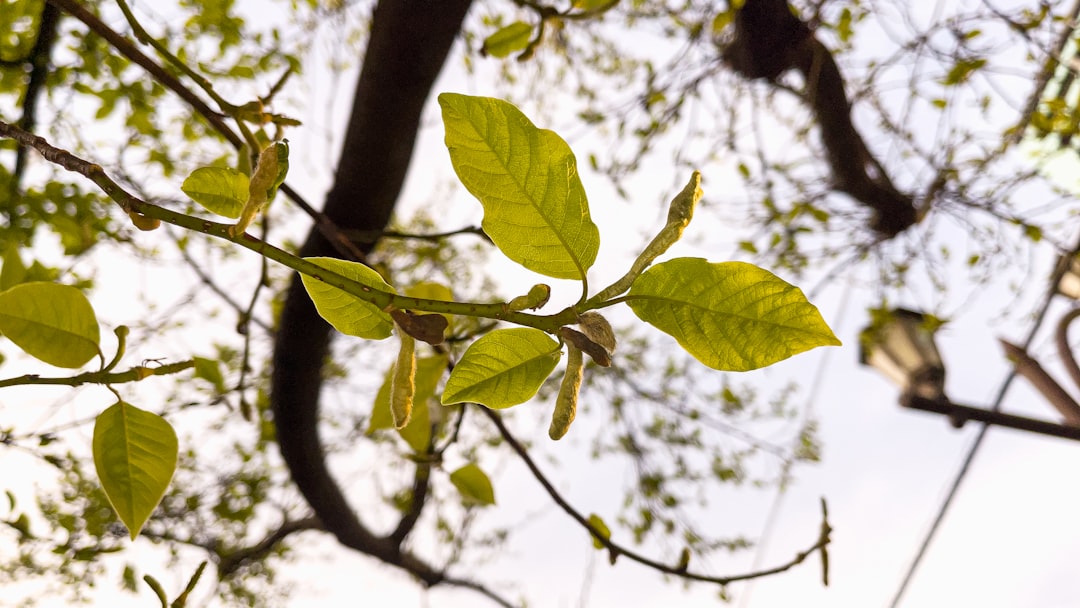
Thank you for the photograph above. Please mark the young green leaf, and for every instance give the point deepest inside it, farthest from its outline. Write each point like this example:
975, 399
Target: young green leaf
474, 485
538, 295
596, 522
221, 190
503, 368
269, 174
731, 316
535, 209
347, 313
135, 454
53, 323
210, 370
507, 40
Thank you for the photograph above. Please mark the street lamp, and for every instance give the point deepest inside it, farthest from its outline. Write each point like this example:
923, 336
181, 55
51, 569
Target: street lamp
901, 346
1069, 284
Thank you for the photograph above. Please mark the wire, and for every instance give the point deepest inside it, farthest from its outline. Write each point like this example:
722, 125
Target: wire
1055, 278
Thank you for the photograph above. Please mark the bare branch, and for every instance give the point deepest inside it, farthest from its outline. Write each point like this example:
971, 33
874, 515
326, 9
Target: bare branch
616, 550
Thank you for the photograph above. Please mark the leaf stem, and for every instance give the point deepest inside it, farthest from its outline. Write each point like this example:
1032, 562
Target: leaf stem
382, 299
134, 374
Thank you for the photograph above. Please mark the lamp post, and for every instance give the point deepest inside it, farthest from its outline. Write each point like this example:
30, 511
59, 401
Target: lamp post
1069, 284
901, 346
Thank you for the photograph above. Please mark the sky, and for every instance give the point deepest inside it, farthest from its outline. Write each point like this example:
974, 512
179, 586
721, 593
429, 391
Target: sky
1009, 539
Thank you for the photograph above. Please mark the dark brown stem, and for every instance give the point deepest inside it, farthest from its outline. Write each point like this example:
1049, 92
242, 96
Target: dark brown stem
770, 40
1064, 350
408, 45
39, 70
617, 550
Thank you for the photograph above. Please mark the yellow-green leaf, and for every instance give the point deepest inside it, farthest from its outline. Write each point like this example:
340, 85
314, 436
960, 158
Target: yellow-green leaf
51, 322
347, 313
601, 527
13, 271
503, 368
135, 454
210, 370
221, 190
474, 485
592, 5
731, 316
507, 40
535, 209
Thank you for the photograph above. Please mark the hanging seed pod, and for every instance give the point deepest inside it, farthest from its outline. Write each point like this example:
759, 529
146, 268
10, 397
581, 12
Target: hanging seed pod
403, 382
566, 402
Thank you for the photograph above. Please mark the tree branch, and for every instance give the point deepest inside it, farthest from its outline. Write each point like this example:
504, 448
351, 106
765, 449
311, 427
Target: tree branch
140, 210
125, 47
616, 550
39, 57
770, 40
135, 374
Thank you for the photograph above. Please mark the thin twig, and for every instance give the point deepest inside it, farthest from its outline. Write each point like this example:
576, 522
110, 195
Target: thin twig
128, 49
616, 549
135, 374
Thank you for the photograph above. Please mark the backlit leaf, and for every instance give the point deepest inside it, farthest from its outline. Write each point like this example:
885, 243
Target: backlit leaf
135, 454
347, 313
598, 523
731, 316
503, 368
221, 190
507, 40
51, 322
474, 485
535, 209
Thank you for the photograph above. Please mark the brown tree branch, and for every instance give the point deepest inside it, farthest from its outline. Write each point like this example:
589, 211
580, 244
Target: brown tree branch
230, 562
128, 49
616, 550
40, 53
770, 40
409, 43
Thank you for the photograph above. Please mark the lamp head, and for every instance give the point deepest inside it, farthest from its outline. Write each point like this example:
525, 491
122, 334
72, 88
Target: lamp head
900, 344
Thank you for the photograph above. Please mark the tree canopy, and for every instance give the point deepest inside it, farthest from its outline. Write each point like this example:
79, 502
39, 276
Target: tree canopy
287, 365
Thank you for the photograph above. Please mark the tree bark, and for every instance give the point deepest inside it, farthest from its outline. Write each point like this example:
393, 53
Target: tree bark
771, 39
409, 43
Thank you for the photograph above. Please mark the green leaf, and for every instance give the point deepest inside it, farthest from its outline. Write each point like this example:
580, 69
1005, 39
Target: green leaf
507, 40
601, 527
591, 5
51, 322
731, 316
135, 454
962, 70
222, 190
502, 369
210, 370
535, 209
13, 271
347, 313
474, 485
417, 433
